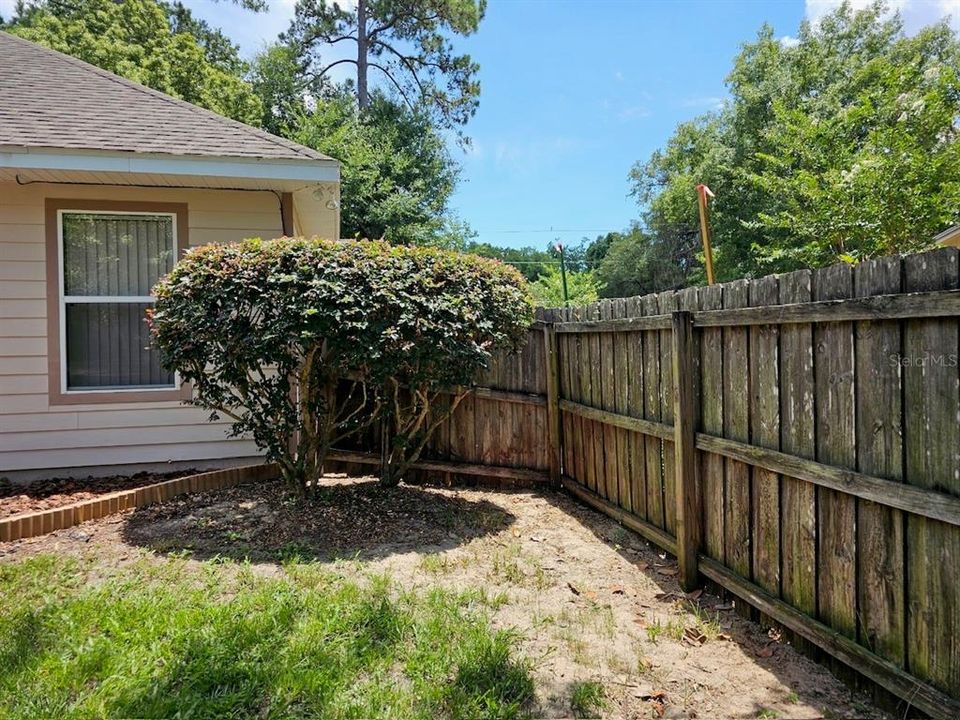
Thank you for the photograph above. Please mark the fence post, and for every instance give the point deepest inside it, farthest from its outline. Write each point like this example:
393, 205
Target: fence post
554, 447
689, 511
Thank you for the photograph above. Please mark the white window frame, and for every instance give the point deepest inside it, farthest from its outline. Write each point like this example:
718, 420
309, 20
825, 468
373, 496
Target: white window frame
91, 299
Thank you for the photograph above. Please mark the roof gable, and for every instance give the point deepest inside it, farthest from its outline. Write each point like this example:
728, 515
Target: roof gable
52, 100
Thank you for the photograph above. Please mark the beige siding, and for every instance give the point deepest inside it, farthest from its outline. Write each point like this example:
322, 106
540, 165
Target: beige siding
35, 435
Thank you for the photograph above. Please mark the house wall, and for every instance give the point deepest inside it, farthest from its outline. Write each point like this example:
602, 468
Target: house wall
35, 435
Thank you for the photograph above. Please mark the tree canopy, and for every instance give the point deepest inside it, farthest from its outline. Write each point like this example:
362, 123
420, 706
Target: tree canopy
839, 146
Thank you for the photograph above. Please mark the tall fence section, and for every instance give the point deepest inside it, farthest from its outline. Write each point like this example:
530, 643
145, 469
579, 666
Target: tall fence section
795, 439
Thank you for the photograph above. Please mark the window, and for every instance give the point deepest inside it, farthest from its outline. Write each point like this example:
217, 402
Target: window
108, 259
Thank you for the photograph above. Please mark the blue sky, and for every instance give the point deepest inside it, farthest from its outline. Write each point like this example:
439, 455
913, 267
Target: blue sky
573, 93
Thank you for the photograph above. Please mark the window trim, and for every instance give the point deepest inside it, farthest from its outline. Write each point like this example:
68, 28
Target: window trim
56, 303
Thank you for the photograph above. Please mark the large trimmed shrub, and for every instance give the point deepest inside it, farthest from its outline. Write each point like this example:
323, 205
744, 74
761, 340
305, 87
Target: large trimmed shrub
303, 342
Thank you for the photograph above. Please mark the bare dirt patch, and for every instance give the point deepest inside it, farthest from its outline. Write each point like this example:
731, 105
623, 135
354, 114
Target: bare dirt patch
592, 602
57, 492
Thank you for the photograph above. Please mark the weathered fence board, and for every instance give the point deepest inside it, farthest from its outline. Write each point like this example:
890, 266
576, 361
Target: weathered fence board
798, 508
736, 426
608, 393
836, 445
880, 586
765, 432
711, 421
651, 411
666, 304
634, 371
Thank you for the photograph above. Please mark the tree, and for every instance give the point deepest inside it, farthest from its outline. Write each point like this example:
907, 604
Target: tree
638, 263
276, 76
405, 41
597, 249
396, 172
530, 262
304, 342
841, 146
582, 288
156, 44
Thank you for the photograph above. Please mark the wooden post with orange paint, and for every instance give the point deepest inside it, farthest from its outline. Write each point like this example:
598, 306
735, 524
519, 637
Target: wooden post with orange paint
702, 193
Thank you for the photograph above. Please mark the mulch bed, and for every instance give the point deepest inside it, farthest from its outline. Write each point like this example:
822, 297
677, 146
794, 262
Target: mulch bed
57, 492
348, 518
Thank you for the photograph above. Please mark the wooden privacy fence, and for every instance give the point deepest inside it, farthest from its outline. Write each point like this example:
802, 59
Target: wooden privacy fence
794, 439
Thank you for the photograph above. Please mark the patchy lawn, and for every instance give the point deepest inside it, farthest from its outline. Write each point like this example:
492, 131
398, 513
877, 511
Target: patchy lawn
412, 602
169, 640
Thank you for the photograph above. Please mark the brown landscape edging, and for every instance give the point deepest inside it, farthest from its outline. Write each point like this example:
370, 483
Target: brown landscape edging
33, 524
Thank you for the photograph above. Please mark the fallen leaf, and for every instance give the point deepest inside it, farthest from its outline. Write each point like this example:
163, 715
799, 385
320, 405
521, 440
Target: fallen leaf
642, 565
695, 594
618, 590
694, 636
722, 606
671, 571
573, 588
766, 651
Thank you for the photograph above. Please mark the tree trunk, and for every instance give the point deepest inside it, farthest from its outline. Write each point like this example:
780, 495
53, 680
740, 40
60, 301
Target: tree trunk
363, 97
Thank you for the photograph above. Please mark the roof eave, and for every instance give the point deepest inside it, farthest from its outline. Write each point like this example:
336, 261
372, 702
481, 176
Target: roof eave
35, 158
947, 234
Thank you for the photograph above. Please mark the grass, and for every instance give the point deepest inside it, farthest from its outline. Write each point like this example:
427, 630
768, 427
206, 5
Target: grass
214, 640
708, 625
654, 631
587, 699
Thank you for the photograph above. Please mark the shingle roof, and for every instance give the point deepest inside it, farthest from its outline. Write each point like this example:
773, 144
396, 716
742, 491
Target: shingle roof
52, 100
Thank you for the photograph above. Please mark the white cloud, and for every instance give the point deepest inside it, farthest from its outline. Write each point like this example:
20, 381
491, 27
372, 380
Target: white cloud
633, 113
711, 101
915, 13
788, 41
951, 8
527, 155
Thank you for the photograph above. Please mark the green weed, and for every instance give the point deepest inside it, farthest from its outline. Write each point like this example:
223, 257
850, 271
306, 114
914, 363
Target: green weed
587, 699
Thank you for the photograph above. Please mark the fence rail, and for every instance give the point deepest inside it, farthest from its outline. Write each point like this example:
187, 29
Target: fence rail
793, 438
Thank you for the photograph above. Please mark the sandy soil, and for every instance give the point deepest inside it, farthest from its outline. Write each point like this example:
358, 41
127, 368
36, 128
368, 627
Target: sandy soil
590, 600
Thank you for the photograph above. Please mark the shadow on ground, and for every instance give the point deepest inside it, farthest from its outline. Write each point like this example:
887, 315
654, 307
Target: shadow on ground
347, 519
